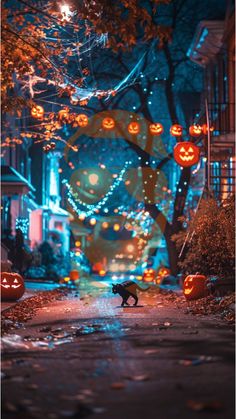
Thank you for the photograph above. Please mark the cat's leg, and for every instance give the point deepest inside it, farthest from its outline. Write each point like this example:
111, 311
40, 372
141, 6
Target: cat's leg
123, 302
135, 299
126, 300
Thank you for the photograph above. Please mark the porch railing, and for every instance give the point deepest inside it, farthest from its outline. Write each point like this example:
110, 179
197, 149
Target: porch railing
221, 115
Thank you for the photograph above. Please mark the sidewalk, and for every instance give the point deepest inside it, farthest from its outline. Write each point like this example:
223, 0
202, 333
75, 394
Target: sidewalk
32, 286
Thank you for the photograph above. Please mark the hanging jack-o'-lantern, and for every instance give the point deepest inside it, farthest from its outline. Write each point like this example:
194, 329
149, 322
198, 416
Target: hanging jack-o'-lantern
108, 123
204, 129
12, 286
37, 112
156, 128
63, 114
82, 120
134, 128
194, 287
186, 154
176, 130
195, 130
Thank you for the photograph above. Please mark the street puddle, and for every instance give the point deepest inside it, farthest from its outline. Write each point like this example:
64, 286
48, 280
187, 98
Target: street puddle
52, 339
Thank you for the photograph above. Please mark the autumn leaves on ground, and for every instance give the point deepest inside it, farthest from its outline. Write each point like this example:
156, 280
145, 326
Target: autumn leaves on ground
81, 354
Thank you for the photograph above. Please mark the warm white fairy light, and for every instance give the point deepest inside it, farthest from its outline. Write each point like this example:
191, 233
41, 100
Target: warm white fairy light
90, 209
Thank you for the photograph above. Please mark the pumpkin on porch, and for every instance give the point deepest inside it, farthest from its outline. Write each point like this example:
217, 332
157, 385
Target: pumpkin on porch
194, 287
12, 286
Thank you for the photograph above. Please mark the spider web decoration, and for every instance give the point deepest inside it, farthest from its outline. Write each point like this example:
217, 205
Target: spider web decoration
74, 62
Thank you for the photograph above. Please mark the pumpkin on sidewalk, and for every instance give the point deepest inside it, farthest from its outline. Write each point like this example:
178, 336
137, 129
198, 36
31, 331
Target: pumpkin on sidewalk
195, 287
12, 286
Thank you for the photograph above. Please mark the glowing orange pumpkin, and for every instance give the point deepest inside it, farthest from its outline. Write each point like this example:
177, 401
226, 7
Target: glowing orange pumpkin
176, 130
195, 130
134, 128
82, 120
204, 129
74, 275
162, 272
37, 112
194, 287
102, 272
156, 128
148, 275
108, 123
12, 286
63, 114
186, 154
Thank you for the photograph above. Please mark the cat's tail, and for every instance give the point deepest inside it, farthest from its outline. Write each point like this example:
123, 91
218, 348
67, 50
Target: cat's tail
142, 289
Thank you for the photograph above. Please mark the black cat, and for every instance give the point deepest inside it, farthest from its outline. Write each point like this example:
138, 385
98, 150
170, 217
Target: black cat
127, 289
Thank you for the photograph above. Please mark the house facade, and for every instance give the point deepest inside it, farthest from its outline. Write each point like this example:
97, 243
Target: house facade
30, 193
213, 48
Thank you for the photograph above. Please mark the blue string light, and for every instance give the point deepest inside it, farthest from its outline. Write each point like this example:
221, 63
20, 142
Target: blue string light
89, 209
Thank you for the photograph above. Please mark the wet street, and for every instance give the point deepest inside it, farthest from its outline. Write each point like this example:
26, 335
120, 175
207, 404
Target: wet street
87, 356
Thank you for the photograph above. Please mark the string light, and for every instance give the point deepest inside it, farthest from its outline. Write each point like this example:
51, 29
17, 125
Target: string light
23, 225
90, 209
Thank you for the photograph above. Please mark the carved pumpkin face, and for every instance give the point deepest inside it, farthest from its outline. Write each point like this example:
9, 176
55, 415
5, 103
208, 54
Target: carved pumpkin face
156, 128
162, 272
194, 287
134, 128
12, 286
82, 120
108, 123
37, 112
195, 130
63, 114
204, 129
186, 154
148, 275
176, 130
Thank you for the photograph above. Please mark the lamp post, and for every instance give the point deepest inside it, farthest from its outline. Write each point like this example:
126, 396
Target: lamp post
208, 146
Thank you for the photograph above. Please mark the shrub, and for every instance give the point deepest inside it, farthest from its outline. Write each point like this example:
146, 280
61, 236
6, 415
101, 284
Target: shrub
210, 247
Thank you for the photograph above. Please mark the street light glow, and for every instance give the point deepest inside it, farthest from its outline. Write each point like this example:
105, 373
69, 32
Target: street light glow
105, 224
93, 179
130, 247
65, 11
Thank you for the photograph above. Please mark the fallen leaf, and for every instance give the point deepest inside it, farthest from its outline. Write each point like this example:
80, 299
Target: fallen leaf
140, 377
117, 386
213, 406
151, 351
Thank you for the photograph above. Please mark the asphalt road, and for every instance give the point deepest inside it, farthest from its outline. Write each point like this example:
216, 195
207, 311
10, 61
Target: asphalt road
150, 361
